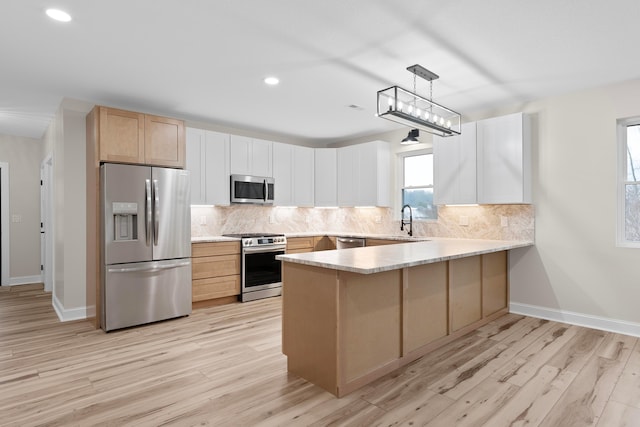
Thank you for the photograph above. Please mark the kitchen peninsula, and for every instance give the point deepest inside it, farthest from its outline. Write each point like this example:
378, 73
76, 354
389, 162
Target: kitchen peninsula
351, 316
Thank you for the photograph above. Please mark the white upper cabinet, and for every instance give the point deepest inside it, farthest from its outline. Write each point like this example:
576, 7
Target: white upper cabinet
364, 174
293, 172
251, 156
455, 167
504, 159
208, 161
326, 176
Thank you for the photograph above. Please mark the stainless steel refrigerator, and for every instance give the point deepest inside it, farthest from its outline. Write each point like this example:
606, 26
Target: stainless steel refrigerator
146, 223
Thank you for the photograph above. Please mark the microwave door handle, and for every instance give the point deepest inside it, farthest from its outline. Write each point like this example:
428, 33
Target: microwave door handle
156, 211
265, 190
148, 210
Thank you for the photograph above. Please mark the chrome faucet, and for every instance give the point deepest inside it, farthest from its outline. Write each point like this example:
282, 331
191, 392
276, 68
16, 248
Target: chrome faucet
403, 222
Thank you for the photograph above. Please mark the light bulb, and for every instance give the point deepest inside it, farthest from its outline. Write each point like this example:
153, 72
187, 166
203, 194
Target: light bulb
449, 124
391, 101
418, 112
441, 121
435, 118
410, 109
399, 105
426, 115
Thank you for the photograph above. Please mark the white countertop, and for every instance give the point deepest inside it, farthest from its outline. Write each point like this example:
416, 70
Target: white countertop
405, 237
375, 259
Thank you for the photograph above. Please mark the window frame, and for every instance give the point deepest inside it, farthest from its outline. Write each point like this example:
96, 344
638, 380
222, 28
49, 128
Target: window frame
400, 181
621, 181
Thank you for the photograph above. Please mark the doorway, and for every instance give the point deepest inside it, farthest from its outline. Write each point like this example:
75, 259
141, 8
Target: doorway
46, 222
4, 223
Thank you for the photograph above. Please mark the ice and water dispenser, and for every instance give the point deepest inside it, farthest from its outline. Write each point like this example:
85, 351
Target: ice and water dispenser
125, 218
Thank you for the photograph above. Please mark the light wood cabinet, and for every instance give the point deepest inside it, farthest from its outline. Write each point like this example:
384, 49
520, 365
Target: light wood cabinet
380, 242
296, 245
208, 161
130, 137
215, 269
324, 243
342, 330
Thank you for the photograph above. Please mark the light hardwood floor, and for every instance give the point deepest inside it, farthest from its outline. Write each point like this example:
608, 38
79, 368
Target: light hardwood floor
223, 366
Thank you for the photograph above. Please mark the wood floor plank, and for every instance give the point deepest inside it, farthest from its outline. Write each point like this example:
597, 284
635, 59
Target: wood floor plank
223, 366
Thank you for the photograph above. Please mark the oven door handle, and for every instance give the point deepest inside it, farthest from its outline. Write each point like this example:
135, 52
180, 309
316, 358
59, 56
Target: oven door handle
262, 249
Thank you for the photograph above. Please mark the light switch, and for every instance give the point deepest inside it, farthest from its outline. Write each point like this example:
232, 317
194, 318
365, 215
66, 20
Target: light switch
16, 218
504, 221
203, 220
464, 220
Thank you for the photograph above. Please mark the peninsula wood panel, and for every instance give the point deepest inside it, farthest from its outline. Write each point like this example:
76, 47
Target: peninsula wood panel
494, 282
465, 291
121, 135
215, 287
370, 322
164, 141
425, 302
215, 266
311, 347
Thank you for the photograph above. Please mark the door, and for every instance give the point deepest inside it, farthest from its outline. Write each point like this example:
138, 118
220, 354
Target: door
172, 213
46, 229
126, 206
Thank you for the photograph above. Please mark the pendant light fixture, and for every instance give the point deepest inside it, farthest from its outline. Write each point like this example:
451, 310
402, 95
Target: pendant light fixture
410, 109
412, 137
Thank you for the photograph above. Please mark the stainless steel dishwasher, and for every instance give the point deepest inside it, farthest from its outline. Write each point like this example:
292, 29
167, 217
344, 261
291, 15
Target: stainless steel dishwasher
349, 242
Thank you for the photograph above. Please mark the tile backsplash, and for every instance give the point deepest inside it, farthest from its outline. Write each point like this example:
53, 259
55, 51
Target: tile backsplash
497, 222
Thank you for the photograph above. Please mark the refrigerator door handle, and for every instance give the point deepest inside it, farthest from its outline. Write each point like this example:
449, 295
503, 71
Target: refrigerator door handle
148, 210
149, 269
156, 211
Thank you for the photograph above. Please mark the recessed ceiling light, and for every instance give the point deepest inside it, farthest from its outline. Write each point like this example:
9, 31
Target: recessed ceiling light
58, 15
271, 81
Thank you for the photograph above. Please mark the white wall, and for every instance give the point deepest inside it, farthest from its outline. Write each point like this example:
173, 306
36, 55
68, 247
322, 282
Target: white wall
66, 138
575, 272
23, 156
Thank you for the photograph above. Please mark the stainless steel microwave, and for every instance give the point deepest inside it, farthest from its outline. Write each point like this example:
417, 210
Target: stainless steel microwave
252, 189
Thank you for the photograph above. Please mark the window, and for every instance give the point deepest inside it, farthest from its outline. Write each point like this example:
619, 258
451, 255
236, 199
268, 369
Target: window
629, 182
417, 184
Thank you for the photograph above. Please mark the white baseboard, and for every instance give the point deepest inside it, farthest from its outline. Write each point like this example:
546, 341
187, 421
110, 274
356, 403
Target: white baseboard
66, 315
24, 280
580, 319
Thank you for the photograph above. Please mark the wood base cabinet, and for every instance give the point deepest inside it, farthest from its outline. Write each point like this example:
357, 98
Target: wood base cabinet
215, 271
342, 330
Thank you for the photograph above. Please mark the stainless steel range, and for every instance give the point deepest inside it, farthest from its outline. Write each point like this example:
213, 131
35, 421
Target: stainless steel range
261, 271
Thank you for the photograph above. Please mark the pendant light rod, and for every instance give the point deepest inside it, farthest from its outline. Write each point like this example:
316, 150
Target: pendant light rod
422, 72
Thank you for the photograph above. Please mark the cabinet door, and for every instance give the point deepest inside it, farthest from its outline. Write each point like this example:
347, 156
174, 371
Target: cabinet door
262, 158
347, 175
494, 283
367, 179
217, 182
326, 176
164, 142
503, 157
121, 137
282, 174
240, 147
195, 164
465, 292
303, 176
455, 167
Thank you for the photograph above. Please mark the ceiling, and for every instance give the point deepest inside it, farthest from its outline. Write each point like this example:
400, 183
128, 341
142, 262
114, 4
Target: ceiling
205, 61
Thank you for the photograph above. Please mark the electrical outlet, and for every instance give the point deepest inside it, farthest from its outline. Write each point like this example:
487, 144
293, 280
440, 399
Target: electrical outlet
463, 220
378, 219
504, 221
203, 220
272, 219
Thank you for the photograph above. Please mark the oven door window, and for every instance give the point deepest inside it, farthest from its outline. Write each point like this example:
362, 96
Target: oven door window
262, 268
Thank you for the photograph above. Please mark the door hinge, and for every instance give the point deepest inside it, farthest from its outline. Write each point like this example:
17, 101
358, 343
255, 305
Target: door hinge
41, 267
41, 182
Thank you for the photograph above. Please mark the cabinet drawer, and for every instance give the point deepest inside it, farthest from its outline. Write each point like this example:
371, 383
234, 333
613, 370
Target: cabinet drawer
215, 287
215, 266
299, 251
215, 248
379, 242
300, 243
